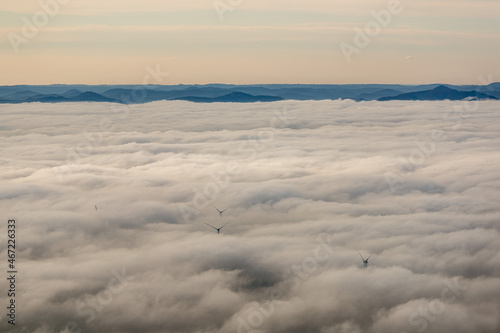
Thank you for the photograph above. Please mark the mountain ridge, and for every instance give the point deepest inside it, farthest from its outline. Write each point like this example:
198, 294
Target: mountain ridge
225, 93
439, 93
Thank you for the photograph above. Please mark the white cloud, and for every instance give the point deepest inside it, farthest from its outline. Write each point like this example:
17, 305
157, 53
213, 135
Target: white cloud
319, 173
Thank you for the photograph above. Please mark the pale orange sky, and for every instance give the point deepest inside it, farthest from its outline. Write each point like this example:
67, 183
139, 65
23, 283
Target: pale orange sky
253, 41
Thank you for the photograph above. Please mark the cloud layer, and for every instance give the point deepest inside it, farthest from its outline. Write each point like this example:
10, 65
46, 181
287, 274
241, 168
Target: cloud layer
307, 185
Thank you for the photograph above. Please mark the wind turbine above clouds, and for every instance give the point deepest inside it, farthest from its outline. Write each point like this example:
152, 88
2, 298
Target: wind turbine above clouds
220, 211
365, 261
218, 229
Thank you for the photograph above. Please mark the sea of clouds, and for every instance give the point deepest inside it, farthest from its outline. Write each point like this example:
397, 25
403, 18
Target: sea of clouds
307, 185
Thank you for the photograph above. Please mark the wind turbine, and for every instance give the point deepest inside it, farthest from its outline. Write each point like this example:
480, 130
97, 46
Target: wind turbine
220, 211
95, 207
365, 261
218, 229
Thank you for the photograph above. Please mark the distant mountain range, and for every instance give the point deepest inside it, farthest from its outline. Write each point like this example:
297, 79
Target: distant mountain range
436, 94
212, 93
234, 97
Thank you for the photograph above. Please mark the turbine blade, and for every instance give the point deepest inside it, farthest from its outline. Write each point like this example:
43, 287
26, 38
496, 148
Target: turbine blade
369, 256
211, 226
225, 224
217, 209
361, 256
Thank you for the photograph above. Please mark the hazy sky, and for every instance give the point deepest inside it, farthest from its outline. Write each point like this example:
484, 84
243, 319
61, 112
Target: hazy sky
252, 41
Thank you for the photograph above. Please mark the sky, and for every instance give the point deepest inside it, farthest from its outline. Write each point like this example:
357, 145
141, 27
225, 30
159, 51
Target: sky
249, 42
306, 185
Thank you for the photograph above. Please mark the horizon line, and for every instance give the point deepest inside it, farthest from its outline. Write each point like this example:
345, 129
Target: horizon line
236, 84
